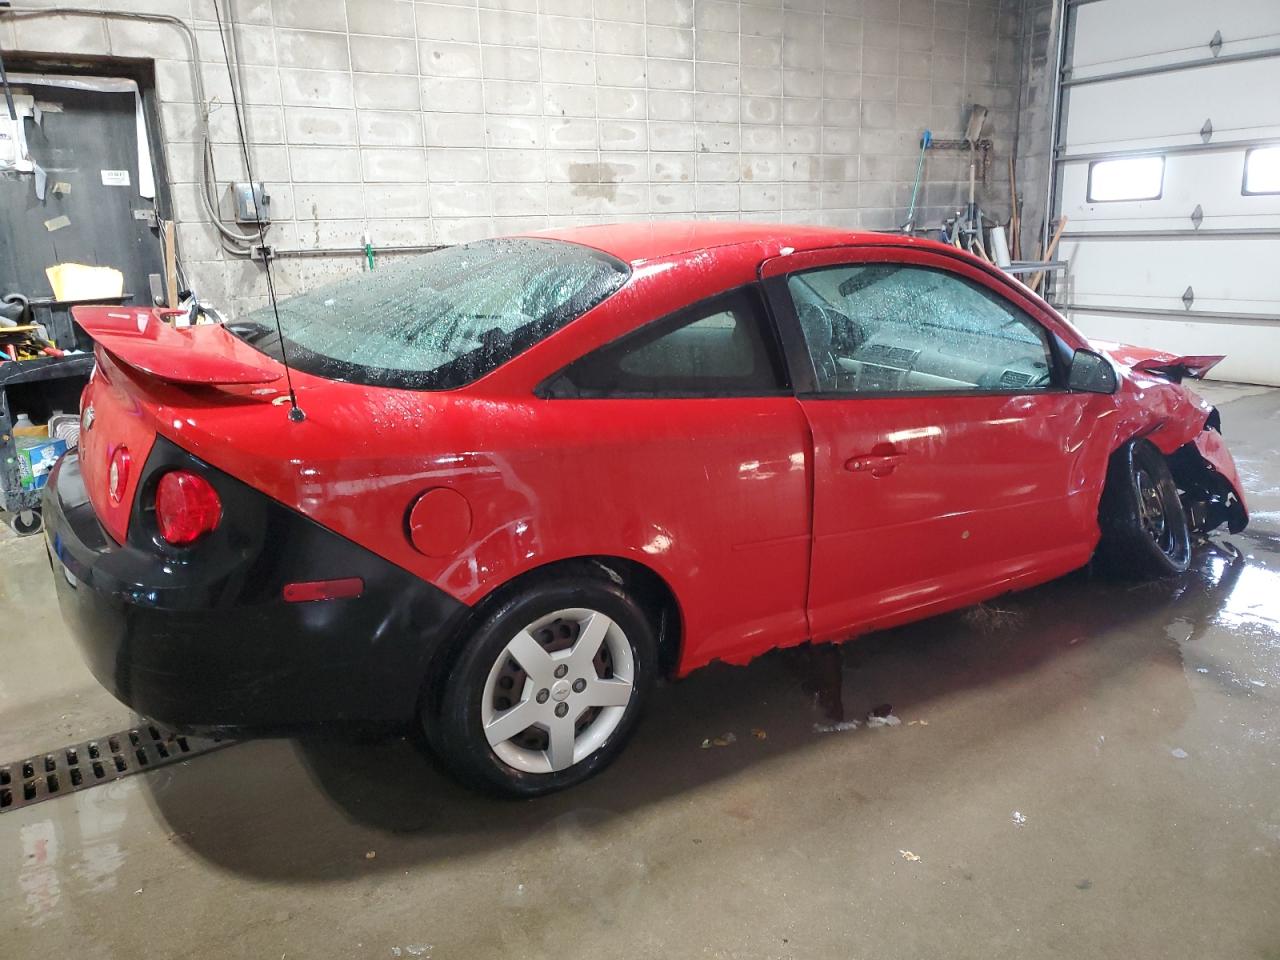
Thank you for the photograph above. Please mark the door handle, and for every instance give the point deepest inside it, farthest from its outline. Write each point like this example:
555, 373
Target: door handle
880, 462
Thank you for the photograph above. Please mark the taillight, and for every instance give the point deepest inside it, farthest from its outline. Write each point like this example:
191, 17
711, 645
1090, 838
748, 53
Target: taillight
118, 474
187, 507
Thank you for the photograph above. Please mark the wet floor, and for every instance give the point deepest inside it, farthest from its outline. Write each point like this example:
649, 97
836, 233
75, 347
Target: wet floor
1088, 769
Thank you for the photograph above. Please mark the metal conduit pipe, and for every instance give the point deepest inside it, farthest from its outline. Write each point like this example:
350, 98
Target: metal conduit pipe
350, 251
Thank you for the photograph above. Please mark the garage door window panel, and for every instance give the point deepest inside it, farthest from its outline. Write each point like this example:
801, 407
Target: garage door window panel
892, 328
1262, 171
722, 347
1126, 179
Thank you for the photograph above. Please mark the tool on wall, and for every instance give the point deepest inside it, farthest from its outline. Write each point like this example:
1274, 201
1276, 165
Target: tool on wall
972, 230
925, 139
1015, 220
965, 229
1048, 254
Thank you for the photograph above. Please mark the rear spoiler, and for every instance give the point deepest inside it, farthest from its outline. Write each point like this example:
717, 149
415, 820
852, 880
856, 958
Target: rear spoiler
204, 354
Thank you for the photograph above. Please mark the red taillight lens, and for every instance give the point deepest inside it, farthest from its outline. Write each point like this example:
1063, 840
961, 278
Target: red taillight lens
187, 507
118, 474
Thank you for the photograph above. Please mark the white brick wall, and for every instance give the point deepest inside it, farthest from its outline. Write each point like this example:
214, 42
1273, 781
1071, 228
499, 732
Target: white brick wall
451, 120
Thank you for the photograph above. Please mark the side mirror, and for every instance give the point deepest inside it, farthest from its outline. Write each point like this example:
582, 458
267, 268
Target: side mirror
1091, 373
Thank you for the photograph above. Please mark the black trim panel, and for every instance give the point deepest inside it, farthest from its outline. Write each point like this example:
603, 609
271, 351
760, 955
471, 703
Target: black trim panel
200, 639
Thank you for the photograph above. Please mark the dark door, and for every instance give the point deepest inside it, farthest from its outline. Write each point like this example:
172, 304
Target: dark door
87, 140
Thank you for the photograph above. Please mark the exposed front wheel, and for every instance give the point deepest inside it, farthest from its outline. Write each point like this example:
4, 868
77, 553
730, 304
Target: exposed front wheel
548, 689
1144, 527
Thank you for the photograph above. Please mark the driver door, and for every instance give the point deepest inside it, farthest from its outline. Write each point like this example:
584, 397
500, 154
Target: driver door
946, 448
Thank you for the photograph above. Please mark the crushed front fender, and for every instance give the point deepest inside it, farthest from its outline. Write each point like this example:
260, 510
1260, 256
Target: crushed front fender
1213, 449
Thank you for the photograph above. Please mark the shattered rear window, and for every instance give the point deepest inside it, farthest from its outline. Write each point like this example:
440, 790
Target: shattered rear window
439, 320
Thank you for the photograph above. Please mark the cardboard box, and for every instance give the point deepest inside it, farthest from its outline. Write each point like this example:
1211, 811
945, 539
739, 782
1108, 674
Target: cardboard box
36, 457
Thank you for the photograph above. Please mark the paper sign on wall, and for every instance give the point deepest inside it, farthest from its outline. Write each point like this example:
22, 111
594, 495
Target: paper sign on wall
115, 178
13, 135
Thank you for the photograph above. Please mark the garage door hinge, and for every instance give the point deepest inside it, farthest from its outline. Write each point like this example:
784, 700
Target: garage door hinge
1206, 132
1197, 216
1188, 298
1215, 45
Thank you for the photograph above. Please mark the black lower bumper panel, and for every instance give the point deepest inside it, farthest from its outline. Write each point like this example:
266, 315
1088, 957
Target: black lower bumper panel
201, 639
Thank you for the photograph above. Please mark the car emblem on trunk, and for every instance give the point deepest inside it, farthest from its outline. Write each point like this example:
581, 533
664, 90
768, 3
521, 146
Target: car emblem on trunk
87, 418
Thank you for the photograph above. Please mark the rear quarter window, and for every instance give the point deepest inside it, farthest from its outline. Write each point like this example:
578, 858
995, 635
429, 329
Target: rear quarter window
440, 320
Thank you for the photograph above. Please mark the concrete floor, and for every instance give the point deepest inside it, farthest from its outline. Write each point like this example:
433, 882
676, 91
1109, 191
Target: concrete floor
1083, 770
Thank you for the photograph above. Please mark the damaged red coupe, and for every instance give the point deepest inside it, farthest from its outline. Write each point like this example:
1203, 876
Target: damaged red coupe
529, 476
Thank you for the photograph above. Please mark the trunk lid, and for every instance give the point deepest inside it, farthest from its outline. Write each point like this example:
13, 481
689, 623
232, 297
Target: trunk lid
146, 370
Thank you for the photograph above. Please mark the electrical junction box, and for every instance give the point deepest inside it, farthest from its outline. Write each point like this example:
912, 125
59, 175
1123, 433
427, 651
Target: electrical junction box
245, 194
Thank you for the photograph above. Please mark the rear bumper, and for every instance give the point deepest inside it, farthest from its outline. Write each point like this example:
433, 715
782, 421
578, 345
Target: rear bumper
201, 639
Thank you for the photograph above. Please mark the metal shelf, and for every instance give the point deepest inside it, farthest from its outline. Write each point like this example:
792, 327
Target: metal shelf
45, 368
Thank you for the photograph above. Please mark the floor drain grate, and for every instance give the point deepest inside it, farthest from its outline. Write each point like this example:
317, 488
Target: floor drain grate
102, 760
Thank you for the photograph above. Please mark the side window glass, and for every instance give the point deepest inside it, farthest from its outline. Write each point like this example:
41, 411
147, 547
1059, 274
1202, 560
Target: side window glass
719, 348
883, 327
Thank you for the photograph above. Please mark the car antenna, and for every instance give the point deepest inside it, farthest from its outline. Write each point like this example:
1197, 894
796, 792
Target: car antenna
295, 411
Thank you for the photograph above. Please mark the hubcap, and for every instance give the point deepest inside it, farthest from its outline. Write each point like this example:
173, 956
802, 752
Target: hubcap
557, 691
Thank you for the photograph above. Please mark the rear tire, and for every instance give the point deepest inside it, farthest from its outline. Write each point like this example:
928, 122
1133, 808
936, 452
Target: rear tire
1145, 534
547, 689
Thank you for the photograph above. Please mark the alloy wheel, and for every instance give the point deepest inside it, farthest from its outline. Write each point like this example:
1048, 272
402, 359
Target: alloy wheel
557, 691
1154, 512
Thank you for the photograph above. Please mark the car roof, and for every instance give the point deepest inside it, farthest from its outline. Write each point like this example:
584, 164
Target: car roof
652, 240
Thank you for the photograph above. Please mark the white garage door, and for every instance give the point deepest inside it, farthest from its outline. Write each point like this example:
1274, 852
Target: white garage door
1168, 171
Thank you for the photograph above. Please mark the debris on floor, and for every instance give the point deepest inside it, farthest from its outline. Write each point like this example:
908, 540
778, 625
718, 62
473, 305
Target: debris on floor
1179, 753
1019, 818
882, 716
908, 855
989, 619
913, 723
723, 741
371, 854
759, 734
840, 727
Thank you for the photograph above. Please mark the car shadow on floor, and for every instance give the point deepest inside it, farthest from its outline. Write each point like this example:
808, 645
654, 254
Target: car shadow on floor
314, 810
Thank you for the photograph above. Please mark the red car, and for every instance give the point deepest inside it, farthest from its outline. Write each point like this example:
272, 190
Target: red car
528, 476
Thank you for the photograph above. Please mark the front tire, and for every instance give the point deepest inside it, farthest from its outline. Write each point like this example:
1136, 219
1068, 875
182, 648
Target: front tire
547, 689
1145, 534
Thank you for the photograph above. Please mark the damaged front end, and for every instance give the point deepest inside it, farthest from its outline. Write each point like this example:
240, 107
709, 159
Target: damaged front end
1202, 466
1206, 475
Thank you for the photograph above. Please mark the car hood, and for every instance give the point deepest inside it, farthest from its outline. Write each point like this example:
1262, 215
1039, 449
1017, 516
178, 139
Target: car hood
1172, 366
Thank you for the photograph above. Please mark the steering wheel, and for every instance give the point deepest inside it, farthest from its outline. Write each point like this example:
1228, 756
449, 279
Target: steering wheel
816, 322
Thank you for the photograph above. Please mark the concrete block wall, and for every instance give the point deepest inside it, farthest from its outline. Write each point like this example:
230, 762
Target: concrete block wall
444, 121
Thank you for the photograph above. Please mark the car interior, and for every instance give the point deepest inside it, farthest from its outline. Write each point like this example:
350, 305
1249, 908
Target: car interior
875, 328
